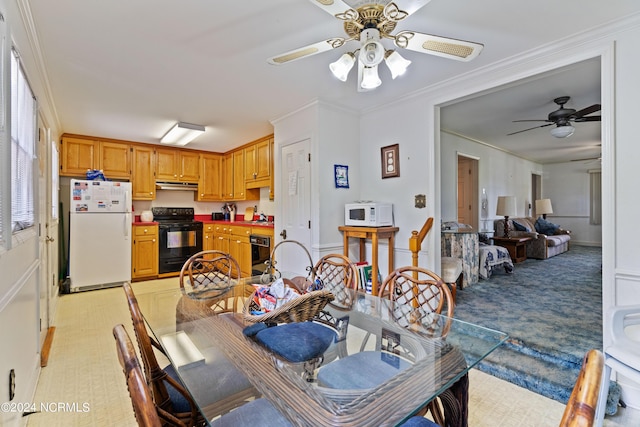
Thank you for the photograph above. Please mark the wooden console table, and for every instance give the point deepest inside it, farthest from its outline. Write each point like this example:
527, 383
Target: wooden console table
515, 245
373, 233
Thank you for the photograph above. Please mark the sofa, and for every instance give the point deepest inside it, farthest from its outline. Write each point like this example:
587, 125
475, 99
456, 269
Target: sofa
547, 239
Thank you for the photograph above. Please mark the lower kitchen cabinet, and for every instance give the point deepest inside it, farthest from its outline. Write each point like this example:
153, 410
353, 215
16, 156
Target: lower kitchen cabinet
240, 247
144, 251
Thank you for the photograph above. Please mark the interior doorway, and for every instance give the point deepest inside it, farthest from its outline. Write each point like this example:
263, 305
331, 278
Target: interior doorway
536, 193
468, 191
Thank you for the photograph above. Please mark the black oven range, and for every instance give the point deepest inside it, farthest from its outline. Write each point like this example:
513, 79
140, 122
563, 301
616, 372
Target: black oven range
180, 237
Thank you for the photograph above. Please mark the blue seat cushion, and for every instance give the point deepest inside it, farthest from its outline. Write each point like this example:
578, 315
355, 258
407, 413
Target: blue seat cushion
259, 412
297, 342
363, 370
178, 401
419, 422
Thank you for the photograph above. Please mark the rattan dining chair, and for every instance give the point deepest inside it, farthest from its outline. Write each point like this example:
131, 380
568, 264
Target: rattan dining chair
144, 409
340, 277
581, 407
167, 391
148, 414
415, 294
208, 278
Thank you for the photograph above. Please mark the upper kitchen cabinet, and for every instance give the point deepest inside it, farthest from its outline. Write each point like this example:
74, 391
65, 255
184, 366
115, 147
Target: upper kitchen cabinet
115, 159
233, 183
210, 183
143, 180
177, 165
78, 154
258, 163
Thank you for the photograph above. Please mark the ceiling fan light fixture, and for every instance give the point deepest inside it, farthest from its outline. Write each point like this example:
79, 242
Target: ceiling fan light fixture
372, 51
396, 63
370, 79
182, 133
564, 131
342, 66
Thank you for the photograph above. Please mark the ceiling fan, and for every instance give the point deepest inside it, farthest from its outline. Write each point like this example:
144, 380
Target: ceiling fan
563, 117
369, 22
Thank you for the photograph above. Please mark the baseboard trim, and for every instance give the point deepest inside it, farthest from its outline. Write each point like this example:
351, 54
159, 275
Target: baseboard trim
46, 347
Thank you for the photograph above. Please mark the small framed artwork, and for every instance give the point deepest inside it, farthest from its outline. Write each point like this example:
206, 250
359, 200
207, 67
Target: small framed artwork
390, 161
341, 174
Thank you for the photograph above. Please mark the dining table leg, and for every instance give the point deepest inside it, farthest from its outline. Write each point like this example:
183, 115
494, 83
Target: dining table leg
455, 403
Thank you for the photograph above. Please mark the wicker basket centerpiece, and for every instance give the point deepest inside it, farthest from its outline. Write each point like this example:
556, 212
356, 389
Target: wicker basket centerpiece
304, 307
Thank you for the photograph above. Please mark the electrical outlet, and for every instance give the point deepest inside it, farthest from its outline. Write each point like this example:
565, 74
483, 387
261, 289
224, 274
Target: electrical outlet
420, 201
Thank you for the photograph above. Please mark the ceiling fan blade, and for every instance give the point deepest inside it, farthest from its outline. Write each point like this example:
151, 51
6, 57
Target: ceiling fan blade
334, 7
585, 111
524, 130
399, 9
587, 159
445, 47
587, 119
306, 51
533, 120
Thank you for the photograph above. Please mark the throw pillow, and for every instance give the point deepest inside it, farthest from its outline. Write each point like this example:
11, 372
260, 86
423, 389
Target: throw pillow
520, 227
545, 227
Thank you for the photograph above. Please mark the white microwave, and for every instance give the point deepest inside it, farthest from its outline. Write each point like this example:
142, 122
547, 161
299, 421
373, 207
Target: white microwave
368, 214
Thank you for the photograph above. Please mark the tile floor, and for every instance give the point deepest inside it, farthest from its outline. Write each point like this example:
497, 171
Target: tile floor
83, 367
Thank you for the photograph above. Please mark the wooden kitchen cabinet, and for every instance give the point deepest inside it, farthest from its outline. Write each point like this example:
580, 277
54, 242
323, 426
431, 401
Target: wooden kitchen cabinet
177, 165
240, 247
258, 163
233, 178
77, 155
145, 251
208, 237
143, 180
210, 183
221, 238
114, 159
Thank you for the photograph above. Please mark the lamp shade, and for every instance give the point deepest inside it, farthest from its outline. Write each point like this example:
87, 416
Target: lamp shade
370, 79
506, 206
342, 66
543, 207
396, 63
182, 134
563, 131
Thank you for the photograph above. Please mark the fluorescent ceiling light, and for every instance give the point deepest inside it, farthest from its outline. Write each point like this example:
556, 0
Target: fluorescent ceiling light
182, 134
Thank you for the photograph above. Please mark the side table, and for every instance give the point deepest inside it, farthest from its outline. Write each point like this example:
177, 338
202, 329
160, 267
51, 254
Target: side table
517, 246
373, 233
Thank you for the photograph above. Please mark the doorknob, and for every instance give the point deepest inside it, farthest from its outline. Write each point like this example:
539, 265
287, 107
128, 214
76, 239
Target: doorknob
284, 234
50, 239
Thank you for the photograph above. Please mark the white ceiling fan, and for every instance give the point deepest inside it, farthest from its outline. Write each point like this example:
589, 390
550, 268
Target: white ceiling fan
370, 22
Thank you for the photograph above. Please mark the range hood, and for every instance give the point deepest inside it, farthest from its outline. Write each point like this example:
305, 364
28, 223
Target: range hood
188, 186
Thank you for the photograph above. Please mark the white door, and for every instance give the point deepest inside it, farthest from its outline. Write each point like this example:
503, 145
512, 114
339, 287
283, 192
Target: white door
295, 199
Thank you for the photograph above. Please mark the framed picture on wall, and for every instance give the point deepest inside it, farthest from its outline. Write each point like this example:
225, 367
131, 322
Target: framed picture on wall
341, 175
390, 157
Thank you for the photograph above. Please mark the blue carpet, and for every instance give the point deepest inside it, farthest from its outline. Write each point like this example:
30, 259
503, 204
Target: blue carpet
552, 311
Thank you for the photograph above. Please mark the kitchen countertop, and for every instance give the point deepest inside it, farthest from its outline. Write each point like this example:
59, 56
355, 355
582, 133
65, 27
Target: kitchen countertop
264, 224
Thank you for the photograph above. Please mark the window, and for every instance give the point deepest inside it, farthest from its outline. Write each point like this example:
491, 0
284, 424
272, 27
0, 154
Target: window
23, 143
595, 197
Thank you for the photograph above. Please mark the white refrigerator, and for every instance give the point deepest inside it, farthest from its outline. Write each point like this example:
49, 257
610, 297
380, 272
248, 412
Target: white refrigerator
99, 234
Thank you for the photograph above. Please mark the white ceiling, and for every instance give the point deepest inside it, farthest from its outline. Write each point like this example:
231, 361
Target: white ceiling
129, 70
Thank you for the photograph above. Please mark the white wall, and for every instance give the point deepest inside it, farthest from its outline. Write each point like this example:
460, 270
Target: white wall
500, 173
20, 261
567, 185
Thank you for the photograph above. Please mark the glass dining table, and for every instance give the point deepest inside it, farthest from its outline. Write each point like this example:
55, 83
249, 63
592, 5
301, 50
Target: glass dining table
422, 359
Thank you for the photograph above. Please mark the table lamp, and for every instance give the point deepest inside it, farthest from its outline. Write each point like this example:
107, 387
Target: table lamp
506, 208
543, 207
